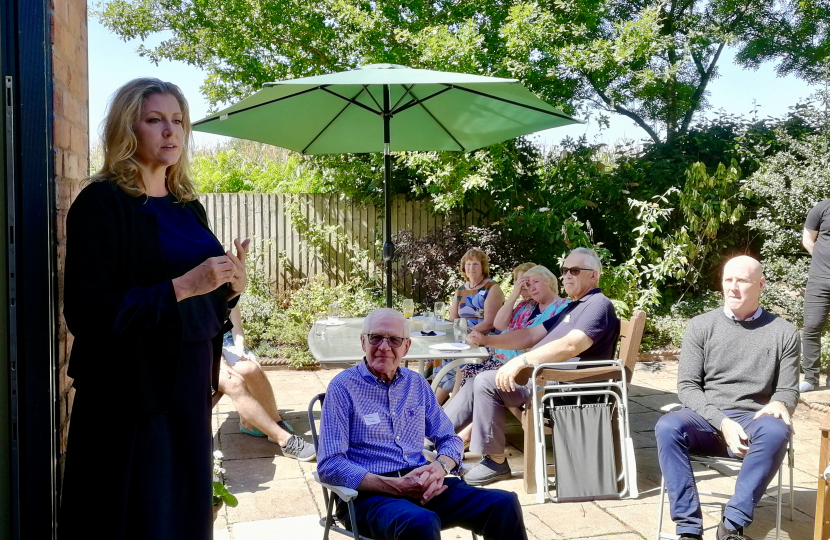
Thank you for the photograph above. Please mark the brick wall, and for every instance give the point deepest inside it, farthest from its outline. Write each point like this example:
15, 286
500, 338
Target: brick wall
71, 152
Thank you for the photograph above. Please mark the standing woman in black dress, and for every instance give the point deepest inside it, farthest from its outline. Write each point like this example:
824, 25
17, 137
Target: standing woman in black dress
146, 297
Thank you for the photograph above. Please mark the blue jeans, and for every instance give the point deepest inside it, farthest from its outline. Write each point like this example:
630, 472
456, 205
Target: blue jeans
491, 513
683, 432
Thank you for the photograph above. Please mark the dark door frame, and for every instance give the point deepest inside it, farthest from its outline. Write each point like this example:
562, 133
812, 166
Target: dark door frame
32, 352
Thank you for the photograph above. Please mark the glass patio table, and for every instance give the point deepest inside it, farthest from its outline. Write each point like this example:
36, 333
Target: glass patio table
342, 345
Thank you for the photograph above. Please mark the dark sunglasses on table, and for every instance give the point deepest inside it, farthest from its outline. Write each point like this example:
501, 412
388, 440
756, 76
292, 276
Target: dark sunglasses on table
573, 270
376, 340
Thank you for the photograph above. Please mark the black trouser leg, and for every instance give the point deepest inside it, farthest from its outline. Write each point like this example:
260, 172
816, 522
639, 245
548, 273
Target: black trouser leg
816, 308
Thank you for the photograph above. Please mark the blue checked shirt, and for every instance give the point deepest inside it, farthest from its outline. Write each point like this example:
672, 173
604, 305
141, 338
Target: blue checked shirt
368, 426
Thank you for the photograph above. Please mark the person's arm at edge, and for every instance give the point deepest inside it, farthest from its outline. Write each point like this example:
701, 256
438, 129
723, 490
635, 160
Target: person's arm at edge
808, 239
505, 315
453, 314
332, 464
786, 390
492, 304
571, 344
237, 332
690, 377
95, 302
515, 340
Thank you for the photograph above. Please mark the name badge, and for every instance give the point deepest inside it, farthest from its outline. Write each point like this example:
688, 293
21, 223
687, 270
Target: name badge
371, 419
567, 318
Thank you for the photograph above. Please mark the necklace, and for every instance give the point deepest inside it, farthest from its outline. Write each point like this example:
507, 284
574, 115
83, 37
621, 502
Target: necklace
477, 285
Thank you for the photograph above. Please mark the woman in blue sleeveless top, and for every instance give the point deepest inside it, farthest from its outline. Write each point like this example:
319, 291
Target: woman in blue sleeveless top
478, 301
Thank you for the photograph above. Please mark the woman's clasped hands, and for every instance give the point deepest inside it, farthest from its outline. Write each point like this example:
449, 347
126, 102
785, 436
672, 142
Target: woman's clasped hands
214, 272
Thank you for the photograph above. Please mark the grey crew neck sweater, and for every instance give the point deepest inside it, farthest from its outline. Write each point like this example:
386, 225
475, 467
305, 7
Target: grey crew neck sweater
736, 365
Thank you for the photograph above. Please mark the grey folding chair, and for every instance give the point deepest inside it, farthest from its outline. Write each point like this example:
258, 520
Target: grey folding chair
710, 462
603, 380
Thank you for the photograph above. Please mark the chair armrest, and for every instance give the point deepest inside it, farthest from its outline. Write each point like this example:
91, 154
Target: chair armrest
456, 363
588, 371
346, 494
671, 407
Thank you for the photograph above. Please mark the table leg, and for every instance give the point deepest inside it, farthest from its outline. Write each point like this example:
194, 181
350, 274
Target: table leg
421, 366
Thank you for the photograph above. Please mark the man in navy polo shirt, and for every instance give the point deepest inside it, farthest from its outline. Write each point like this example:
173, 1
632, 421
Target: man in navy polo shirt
585, 330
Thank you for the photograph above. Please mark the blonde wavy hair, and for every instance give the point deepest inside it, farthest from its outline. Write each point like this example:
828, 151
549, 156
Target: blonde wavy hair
478, 255
550, 278
120, 142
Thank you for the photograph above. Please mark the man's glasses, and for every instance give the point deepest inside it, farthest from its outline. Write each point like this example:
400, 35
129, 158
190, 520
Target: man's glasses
573, 270
376, 340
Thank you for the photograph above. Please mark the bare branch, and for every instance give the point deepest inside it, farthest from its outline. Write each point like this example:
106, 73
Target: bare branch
699, 64
701, 88
622, 110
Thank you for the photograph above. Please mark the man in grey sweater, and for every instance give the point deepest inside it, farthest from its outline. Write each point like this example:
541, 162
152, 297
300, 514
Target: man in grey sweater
738, 382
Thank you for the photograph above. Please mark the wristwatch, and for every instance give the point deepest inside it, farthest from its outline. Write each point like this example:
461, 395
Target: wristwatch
443, 465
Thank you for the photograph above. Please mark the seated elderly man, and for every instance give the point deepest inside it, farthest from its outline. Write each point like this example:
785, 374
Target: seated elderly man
374, 420
587, 329
738, 382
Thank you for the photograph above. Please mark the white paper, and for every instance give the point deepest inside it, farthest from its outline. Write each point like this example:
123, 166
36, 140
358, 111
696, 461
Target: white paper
450, 346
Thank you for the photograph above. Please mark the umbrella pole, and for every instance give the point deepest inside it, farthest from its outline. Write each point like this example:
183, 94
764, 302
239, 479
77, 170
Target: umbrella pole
388, 246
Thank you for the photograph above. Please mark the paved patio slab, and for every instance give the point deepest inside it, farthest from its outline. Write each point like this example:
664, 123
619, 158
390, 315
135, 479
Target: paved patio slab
278, 497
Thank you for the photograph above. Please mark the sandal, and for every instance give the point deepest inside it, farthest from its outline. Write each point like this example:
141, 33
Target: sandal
253, 431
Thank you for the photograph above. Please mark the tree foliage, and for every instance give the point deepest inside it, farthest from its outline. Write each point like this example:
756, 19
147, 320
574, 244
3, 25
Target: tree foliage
248, 166
650, 61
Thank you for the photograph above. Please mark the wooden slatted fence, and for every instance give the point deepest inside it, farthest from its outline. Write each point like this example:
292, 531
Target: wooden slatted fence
290, 254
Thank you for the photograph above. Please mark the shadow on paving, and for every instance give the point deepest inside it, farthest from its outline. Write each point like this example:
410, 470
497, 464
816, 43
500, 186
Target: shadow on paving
277, 494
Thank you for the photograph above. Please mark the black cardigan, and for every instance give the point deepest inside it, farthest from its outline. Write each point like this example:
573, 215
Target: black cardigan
119, 303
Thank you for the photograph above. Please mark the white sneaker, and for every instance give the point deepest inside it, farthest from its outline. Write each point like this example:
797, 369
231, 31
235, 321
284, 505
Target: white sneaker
806, 386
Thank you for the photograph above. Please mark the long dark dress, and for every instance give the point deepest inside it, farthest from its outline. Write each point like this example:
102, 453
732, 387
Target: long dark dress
159, 464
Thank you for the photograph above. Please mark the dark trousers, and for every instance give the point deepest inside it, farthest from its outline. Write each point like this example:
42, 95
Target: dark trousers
816, 308
490, 513
683, 432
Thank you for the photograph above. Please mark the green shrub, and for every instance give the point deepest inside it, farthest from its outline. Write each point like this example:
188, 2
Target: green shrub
662, 331
278, 327
247, 166
694, 306
667, 328
825, 352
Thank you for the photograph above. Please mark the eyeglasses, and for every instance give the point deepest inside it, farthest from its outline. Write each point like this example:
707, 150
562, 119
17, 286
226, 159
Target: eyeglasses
376, 340
574, 270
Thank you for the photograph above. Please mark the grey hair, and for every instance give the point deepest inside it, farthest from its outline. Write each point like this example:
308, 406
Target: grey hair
593, 259
385, 312
540, 270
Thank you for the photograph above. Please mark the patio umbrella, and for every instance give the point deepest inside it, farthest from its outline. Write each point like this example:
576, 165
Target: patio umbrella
386, 108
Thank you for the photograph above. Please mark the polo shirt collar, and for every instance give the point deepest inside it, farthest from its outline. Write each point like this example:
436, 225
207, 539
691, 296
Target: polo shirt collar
728, 312
587, 295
